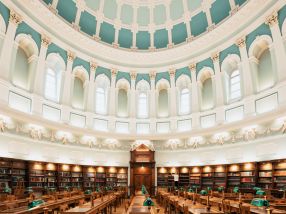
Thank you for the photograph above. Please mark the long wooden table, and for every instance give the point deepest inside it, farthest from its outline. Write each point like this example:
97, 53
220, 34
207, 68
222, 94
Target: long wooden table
103, 204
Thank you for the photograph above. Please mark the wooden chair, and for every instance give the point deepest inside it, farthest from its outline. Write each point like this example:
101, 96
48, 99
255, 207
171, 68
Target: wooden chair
186, 210
226, 207
63, 208
244, 210
81, 202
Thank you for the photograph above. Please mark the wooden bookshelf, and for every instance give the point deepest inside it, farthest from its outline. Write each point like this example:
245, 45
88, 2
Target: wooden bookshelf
207, 177
184, 177
76, 177
122, 177
279, 175
220, 176
162, 177
265, 173
233, 175
195, 176
248, 175
89, 176
37, 179
100, 177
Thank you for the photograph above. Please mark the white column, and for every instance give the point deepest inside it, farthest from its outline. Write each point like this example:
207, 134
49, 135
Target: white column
152, 28
187, 18
133, 95
7, 48
112, 99
40, 70
206, 5
279, 49
246, 71
169, 25
115, 43
80, 8
195, 98
91, 88
152, 45
219, 92
173, 100
68, 80
134, 28
152, 102
53, 6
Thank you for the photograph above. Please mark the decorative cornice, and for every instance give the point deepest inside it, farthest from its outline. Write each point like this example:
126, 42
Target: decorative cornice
272, 19
240, 42
71, 56
15, 17
46, 41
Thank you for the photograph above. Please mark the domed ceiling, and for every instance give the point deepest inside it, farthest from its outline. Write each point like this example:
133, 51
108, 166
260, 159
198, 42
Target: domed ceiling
144, 24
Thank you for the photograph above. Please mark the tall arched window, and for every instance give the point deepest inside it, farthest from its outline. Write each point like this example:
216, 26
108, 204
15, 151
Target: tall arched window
184, 106
142, 105
163, 103
101, 101
53, 75
78, 93
122, 103
234, 84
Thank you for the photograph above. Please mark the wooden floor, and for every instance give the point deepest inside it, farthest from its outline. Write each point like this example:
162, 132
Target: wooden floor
121, 209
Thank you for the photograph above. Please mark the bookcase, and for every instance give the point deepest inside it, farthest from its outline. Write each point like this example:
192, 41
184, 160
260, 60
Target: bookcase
37, 179
122, 177
76, 177
195, 176
89, 177
233, 175
111, 177
279, 175
64, 176
184, 177
162, 177
248, 175
51, 175
207, 177
220, 175
100, 177
265, 172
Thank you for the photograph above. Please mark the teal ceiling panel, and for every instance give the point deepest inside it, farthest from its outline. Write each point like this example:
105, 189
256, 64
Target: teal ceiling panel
67, 9
5, 13
53, 48
126, 14
281, 16
240, 2
162, 75
179, 33
181, 71
92, 4
261, 30
81, 62
161, 38
220, 10
143, 40
233, 49
107, 32
140, 77
87, 23
102, 70
125, 38
205, 63
194, 4
48, 1
160, 14
199, 24
26, 29
110, 9
143, 16
176, 9
123, 75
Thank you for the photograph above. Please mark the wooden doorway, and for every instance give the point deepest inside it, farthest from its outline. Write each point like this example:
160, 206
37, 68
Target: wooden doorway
142, 169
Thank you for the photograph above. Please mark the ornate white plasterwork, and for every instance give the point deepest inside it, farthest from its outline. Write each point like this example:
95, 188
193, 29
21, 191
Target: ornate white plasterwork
245, 21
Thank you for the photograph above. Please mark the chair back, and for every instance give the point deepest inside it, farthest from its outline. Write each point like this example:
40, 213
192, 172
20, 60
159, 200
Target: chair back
226, 206
244, 209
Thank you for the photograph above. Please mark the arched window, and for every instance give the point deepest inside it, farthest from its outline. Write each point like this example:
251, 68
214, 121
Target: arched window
101, 101
163, 103
184, 105
234, 84
142, 105
78, 93
53, 75
122, 103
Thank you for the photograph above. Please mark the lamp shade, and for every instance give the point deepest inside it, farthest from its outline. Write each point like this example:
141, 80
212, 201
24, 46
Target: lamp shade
220, 189
259, 202
35, 203
7, 190
260, 192
87, 192
148, 202
203, 192
236, 189
190, 190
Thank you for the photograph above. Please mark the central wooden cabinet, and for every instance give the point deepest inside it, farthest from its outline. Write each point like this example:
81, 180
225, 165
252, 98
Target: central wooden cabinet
142, 169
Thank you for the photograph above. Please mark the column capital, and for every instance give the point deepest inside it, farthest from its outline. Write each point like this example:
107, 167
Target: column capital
152, 75
93, 65
172, 72
240, 42
215, 57
71, 56
193, 66
133, 75
272, 19
15, 17
46, 41
114, 72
